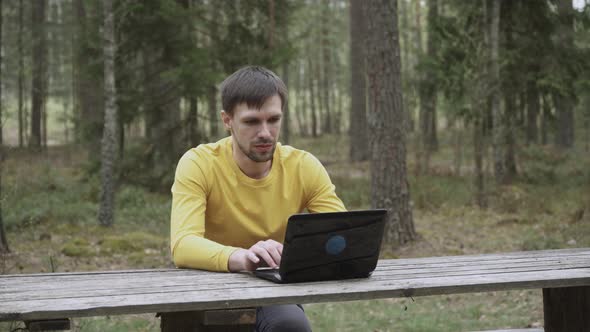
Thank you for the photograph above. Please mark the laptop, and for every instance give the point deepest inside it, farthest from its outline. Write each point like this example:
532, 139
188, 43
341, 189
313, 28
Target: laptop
329, 246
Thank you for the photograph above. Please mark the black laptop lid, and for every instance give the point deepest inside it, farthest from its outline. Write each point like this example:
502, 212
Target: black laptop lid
334, 245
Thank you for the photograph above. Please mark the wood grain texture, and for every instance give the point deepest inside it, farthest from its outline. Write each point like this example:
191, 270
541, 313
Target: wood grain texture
58, 295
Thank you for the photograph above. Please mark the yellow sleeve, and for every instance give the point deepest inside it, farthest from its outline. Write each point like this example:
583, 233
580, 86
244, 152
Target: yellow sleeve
190, 249
320, 192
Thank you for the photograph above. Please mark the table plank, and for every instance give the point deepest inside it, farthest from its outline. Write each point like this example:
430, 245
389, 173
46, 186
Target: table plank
46, 296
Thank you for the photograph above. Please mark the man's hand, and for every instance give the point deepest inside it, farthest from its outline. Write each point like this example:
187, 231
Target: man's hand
263, 253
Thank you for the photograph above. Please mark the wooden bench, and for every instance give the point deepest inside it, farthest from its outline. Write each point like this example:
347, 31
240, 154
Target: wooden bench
181, 295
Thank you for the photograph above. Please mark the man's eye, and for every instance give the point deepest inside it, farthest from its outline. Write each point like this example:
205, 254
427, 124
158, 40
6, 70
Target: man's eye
250, 122
274, 120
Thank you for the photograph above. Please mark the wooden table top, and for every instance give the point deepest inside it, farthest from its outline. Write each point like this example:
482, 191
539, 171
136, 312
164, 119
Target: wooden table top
67, 295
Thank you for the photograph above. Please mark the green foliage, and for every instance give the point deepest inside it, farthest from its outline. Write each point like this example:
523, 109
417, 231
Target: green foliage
129, 243
540, 242
432, 192
540, 164
78, 247
354, 192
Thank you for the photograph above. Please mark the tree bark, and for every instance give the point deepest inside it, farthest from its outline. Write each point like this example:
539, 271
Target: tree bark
90, 86
564, 101
478, 150
312, 99
407, 64
286, 133
39, 71
213, 116
301, 100
507, 128
193, 122
21, 75
109, 134
358, 89
494, 84
427, 90
389, 183
326, 76
532, 108
3, 241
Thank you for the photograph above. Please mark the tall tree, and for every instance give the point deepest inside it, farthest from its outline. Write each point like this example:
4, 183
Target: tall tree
494, 76
109, 134
3, 241
39, 71
507, 119
389, 183
89, 76
358, 89
21, 74
326, 73
312, 97
428, 88
564, 100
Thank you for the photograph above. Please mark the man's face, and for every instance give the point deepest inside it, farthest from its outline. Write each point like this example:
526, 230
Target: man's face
256, 131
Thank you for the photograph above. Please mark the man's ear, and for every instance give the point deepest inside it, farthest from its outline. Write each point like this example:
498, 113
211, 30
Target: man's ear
226, 118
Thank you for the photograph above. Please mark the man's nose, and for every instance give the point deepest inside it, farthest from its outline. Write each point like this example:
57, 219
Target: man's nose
264, 130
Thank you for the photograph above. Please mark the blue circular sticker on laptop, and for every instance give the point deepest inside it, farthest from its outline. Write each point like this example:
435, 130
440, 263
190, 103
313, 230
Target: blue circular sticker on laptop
335, 245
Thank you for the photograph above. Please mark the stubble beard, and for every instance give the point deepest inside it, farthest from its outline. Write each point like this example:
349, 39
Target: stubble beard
259, 157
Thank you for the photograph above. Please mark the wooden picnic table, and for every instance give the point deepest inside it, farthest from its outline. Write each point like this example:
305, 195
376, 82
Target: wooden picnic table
564, 276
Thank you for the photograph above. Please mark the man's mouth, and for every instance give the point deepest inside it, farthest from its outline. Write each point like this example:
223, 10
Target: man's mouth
263, 147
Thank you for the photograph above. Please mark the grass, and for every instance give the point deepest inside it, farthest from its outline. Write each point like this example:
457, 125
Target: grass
50, 206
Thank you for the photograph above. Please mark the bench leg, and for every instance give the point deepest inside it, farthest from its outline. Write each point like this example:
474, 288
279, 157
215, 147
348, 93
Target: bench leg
567, 309
62, 324
234, 320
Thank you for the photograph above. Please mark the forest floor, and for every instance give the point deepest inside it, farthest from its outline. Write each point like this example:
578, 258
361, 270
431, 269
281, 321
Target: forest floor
49, 206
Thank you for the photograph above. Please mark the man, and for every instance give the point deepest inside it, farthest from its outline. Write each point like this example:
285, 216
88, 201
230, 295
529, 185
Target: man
231, 199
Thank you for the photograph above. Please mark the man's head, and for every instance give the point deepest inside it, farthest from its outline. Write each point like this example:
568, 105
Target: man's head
253, 99
252, 85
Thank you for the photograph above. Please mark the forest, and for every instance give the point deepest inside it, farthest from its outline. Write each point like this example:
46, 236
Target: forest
469, 119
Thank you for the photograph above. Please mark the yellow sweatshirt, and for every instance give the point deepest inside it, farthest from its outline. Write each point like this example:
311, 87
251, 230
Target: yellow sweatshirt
216, 208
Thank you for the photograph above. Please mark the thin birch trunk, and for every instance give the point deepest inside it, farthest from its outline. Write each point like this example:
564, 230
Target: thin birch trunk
109, 136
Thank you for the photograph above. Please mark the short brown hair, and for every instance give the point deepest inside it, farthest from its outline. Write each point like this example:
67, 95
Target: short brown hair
252, 85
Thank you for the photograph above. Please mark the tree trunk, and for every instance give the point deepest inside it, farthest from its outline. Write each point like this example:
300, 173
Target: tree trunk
213, 117
109, 134
533, 107
39, 71
163, 106
21, 75
326, 76
418, 54
358, 89
301, 100
312, 99
457, 146
193, 122
508, 128
286, 114
478, 150
432, 51
3, 241
386, 120
509, 161
407, 63
90, 86
564, 101
427, 88
494, 84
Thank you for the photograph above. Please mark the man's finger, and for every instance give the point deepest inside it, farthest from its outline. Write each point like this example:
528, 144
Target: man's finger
264, 254
252, 257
